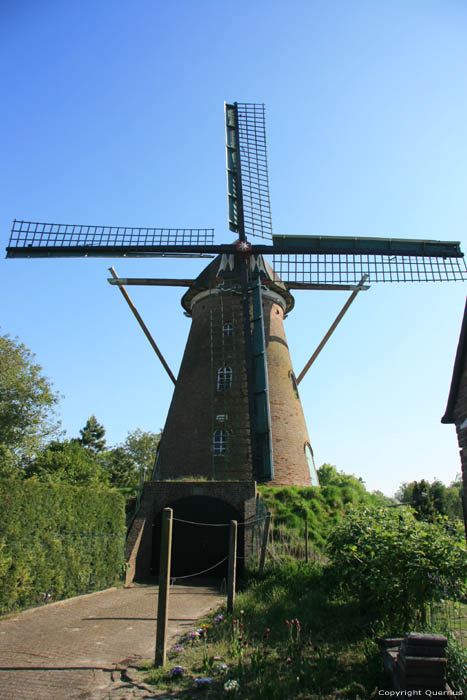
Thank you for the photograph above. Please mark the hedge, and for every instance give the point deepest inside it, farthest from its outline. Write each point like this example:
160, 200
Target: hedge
57, 541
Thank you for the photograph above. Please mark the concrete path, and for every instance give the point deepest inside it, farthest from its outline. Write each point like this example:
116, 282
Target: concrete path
81, 647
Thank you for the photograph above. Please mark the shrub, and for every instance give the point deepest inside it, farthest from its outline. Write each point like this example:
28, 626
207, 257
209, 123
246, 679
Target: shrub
57, 540
394, 565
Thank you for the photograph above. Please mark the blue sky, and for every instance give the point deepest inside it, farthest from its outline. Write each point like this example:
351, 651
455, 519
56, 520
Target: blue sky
113, 114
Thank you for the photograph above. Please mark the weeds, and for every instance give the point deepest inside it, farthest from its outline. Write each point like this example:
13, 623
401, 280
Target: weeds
285, 640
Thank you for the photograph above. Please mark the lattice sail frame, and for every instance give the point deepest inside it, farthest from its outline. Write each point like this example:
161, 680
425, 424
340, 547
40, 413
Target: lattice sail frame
28, 234
247, 170
349, 269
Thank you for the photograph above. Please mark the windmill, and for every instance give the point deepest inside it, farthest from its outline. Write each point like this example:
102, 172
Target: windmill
236, 413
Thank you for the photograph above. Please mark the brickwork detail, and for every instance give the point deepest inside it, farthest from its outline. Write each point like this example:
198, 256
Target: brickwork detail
158, 495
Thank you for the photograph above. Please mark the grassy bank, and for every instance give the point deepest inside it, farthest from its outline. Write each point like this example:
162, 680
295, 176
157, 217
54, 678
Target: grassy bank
307, 631
287, 639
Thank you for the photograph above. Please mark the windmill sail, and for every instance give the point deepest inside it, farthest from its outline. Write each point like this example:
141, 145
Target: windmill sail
34, 239
247, 170
344, 260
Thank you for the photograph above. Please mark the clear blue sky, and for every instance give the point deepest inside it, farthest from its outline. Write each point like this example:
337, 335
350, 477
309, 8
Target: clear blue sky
113, 114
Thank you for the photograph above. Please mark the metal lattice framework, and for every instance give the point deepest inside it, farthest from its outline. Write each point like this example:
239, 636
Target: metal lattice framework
349, 269
254, 169
28, 234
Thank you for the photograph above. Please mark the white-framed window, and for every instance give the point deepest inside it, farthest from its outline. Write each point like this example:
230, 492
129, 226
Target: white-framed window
311, 465
227, 329
224, 378
219, 443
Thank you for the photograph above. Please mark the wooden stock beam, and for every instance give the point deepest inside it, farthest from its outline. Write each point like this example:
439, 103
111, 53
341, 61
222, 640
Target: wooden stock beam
332, 328
148, 282
143, 326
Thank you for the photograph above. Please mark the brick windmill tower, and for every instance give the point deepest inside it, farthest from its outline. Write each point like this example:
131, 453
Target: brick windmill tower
210, 410
235, 416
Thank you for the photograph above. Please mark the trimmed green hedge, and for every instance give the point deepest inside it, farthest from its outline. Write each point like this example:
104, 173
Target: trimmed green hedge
57, 541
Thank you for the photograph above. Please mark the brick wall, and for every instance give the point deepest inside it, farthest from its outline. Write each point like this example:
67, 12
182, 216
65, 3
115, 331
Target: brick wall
158, 495
460, 419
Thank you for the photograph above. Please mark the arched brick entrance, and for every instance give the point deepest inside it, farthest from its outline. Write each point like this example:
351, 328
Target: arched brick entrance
211, 502
197, 547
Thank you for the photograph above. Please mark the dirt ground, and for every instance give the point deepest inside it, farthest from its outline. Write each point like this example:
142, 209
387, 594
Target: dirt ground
85, 648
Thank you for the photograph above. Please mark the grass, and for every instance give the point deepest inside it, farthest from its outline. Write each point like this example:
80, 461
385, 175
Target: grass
286, 640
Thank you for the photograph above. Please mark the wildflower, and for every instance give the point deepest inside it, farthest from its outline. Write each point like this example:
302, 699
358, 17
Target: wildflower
203, 682
178, 650
288, 660
222, 668
240, 639
242, 612
194, 634
177, 671
218, 618
231, 686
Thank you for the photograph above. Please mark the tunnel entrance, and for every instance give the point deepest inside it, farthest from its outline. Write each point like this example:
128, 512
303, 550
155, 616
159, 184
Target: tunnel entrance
198, 547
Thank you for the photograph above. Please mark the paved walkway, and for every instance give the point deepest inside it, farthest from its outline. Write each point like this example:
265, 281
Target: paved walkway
81, 647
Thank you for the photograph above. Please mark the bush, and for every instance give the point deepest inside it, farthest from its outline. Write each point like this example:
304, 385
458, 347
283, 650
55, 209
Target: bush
394, 565
57, 541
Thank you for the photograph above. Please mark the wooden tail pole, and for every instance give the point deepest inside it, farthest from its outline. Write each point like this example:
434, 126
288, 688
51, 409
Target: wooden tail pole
264, 544
232, 575
164, 584
143, 325
332, 328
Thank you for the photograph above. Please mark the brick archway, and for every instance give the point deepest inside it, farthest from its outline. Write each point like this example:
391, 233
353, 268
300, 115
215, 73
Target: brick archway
197, 547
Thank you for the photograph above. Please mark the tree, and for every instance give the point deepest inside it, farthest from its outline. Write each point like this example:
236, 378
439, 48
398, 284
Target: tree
422, 501
120, 468
126, 464
142, 447
69, 462
433, 499
92, 435
27, 404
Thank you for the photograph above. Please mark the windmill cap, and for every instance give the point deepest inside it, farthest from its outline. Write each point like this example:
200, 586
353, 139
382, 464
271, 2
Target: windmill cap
225, 267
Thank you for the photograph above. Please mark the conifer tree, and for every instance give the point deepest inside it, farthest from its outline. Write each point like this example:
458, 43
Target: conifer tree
92, 435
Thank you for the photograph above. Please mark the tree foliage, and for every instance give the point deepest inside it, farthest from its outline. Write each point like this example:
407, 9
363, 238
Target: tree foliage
395, 564
27, 403
431, 500
69, 462
92, 435
128, 464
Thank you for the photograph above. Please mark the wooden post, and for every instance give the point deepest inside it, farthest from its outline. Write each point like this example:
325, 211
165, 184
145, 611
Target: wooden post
264, 544
164, 583
232, 575
306, 540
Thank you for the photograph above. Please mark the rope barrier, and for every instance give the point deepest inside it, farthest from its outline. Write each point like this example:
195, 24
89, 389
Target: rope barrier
246, 522
176, 578
191, 522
